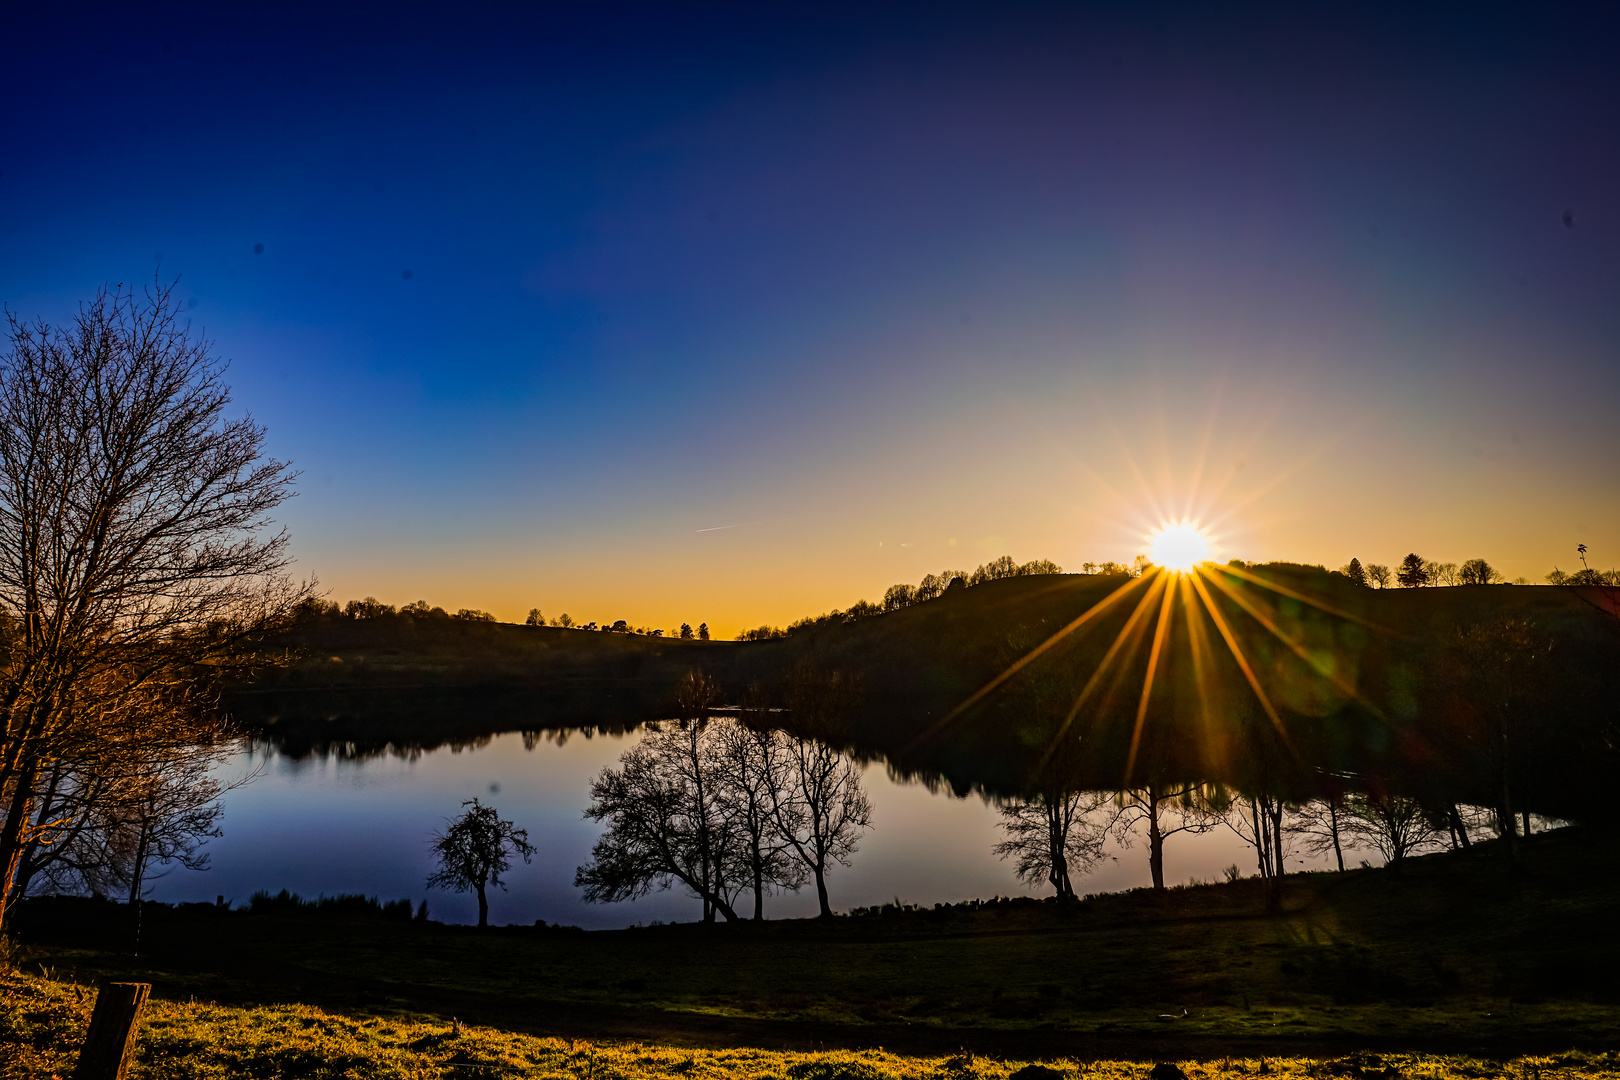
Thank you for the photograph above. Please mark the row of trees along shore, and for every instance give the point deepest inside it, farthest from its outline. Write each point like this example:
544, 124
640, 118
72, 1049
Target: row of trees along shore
1053, 837
138, 568
732, 807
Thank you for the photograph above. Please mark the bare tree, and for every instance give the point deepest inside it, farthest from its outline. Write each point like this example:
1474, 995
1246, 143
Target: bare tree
1320, 826
135, 551
817, 803
1259, 821
1398, 827
1165, 809
1502, 670
474, 850
669, 818
663, 826
1379, 575
751, 760
1054, 835
1440, 573
1477, 572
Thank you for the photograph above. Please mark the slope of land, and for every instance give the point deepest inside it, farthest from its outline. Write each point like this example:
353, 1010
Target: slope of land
1451, 953
1365, 681
43, 1021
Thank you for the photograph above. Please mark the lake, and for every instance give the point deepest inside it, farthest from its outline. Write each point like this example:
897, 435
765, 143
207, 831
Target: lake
330, 825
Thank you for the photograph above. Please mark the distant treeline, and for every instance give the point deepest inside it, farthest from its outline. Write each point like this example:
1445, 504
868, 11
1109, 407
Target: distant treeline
421, 611
931, 586
1415, 571
351, 904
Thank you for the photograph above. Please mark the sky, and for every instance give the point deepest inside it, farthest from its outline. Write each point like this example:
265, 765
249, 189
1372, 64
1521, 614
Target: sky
738, 313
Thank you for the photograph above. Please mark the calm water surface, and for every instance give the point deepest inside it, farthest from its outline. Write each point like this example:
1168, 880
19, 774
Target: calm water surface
325, 825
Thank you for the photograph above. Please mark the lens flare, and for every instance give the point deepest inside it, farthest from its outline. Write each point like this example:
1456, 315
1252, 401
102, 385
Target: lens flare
1179, 546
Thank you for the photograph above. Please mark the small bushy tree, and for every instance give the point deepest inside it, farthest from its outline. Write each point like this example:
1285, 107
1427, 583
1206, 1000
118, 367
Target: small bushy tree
474, 850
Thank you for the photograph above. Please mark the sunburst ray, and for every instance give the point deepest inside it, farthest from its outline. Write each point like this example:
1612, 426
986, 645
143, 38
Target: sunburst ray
1260, 616
1126, 634
1024, 661
1241, 658
1160, 632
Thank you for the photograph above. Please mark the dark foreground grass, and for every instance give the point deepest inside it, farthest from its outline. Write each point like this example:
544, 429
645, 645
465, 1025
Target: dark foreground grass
42, 1023
1452, 953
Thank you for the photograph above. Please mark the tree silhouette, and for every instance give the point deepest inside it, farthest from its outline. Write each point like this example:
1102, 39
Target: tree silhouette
817, 802
1354, 572
135, 542
1413, 572
669, 814
1055, 834
1477, 572
474, 850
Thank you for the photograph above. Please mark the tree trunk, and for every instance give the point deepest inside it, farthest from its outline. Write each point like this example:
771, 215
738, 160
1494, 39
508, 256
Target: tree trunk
1457, 827
821, 893
759, 892
1262, 839
1155, 842
31, 859
483, 906
1274, 812
136, 875
1333, 825
137, 872
16, 823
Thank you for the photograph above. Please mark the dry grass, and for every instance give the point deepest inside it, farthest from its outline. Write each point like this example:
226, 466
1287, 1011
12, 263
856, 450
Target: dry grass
43, 1020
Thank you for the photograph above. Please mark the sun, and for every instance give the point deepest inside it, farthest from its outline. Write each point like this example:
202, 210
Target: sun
1178, 546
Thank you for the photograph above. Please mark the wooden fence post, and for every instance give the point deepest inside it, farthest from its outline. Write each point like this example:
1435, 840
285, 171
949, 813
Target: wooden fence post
111, 1040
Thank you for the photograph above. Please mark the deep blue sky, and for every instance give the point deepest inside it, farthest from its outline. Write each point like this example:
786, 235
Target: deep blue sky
864, 291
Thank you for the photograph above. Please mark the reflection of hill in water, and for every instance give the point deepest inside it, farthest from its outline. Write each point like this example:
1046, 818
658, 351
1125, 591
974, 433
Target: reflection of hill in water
1373, 687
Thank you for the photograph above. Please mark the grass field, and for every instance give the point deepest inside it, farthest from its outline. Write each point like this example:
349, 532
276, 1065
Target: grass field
42, 1022
1452, 953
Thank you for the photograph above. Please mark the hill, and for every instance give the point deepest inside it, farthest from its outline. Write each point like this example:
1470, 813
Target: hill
1358, 681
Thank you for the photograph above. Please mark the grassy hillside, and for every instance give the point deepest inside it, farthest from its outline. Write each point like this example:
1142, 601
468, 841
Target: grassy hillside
1367, 682
42, 1023
1450, 953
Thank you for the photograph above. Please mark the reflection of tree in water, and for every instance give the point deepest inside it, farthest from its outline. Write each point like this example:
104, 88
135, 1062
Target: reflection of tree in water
1256, 687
